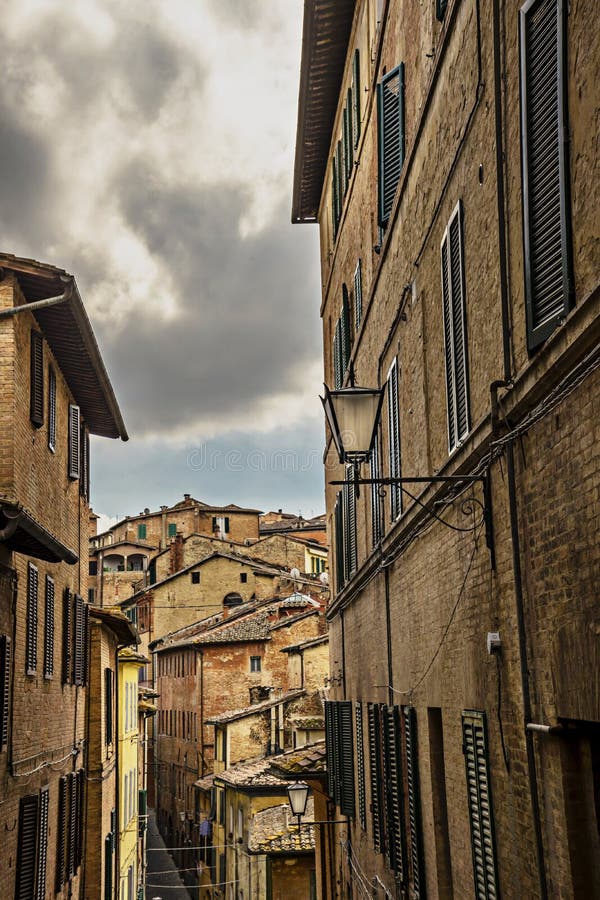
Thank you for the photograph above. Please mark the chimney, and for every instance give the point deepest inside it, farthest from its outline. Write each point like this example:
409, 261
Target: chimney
258, 693
176, 554
186, 496
146, 511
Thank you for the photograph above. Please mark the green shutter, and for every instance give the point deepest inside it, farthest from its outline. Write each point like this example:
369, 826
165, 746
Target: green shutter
172, 529
394, 447
356, 97
350, 123
346, 758
544, 136
483, 846
360, 766
346, 332
335, 218
414, 802
141, 532
390, 117
329, 753
358, 295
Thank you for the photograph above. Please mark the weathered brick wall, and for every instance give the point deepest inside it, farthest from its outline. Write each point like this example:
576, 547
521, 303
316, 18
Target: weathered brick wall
190, 519
442, 596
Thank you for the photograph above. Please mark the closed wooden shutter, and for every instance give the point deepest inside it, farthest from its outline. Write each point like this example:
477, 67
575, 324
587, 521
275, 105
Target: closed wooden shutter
335, 743
51, 409
546, 213
394, 791
337, 368
351, 552
394, 454
349, 111
79, 816
335, 217
74, 441
49, 628
32, 620
346, 332
360, 766
345, 148
346, 758
42, 851
27, 848
108, 701
84, 445
341, 186
36, 393
455, 329
414, 802
108, 867
390, 113
5, 667
61, 834
376, 774
340, 557
329, 749
72, 832
78, 662
358, 304
86, 641
67, 637
480, 805
376, 518
356, 97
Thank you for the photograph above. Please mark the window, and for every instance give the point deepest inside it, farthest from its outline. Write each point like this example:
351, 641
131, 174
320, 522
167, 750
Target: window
172, 529
108, 866
195, 577
67, 637
93, 567
317, 565
36, 386
440, 9
91, 595
32, 620
360, 766
74, 441
390, 120
32, 852
356, 98
51, 409
394, 457
255, 663
220, 523
340, 754
342, 341
376, 776
546, 219
340, 566
49, 628
244, 577
480, 804
358, 295
141, 532
80, 640
455, 330
5, 665
84, 480
108, 706
376, 504
350, 536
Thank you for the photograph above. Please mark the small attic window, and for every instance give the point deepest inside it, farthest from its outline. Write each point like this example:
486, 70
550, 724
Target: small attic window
233, 599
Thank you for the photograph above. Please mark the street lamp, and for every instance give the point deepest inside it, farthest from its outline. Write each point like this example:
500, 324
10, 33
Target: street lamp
353, 414
298, 797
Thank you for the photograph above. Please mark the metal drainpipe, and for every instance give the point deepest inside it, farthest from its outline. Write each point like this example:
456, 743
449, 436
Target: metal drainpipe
512, 491
38, 304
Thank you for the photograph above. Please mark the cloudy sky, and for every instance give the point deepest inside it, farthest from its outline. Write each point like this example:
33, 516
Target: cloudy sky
147, 147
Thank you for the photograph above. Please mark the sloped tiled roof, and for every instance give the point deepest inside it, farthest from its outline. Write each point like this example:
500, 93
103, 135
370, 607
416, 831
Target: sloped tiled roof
234, 714
304, 761
272, 832
252, 774
256, 629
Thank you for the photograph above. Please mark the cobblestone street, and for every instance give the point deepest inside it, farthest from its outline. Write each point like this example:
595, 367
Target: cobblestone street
162, 880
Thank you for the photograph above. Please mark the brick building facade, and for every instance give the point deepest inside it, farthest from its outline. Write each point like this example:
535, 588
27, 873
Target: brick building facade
446, 151
54, 393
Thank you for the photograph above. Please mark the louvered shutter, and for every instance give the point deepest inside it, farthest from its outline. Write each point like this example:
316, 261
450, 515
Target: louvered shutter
546, 213
5, 666
334, 198
80, 807
27, 848
52, 409
335, 727
78, 661
375, 778
395, 793
67, 637
329, 752
349, 116
339, 162
356, 98
337, 375
376, 522
49, 628
394, 456
346, 333
390, 113
74, 441
360, 766
86, 639
32, 619
84, 450
480, 805
346, 757
42, 851
455, 330
350, 554
358, 295
414, 802
345, 148
36, 393
72, 832
340, 564
108, 701
61, 834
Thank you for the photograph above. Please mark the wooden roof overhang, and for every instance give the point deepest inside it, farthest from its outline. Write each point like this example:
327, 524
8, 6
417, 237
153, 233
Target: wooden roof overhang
325, 36
21, 533
69, 333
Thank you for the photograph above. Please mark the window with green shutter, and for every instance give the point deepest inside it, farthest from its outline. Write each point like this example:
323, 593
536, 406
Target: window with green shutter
356, 98
31, 625
455, 329
415, 827
172, 529
546, 207
360, 766
141, 532
390, 118
350, 532
358, 303
345, 757
394, 451
394, 790
340, 554
376, 499
479, 798
36, 385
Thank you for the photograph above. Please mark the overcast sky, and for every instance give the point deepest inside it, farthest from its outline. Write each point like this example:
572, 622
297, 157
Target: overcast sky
147, 147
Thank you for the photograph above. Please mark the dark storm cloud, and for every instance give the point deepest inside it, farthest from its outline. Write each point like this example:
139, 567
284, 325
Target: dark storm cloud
25, 163
245, 325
